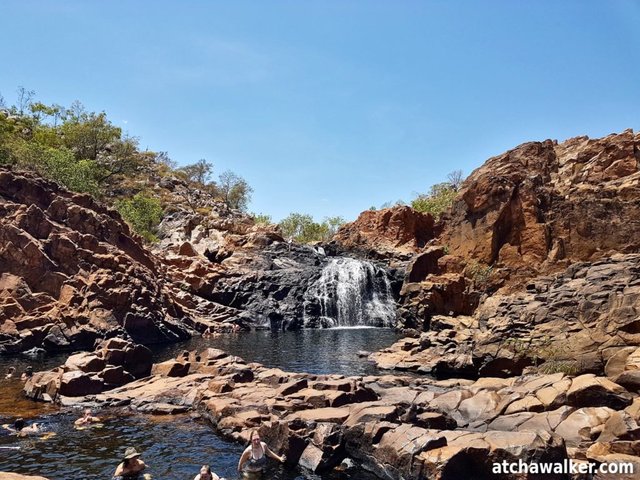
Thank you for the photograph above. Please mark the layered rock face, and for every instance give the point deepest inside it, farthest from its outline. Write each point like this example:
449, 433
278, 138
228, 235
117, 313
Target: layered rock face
72, 272
396, 233
575, 321
534, 263
533, 210
544, 205
395, 426
254, 270
272, 283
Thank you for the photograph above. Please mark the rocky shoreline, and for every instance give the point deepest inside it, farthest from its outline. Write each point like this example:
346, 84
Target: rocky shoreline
392, 425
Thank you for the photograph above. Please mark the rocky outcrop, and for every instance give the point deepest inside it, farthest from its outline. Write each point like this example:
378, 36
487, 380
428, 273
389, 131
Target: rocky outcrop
545, 205
72, 272
270, 283
534, 210
582, 320
396, 232
395, 426
246, 267
115, 362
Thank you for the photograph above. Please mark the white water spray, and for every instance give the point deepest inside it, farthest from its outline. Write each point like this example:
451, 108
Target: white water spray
354, 293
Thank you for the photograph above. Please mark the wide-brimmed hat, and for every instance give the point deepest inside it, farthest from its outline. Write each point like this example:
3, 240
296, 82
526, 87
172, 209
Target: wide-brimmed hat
130, 453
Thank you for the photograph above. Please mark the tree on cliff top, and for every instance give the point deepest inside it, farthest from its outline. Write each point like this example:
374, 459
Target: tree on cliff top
86, 152
440, 197
234, 190
303, 229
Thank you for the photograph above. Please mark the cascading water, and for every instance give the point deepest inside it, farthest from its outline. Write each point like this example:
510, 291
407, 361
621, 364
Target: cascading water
352, 293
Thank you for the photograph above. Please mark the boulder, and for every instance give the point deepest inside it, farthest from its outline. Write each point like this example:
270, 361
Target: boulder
79, 384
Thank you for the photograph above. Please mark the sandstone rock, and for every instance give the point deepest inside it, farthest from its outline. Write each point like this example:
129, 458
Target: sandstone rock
115, 376
583, 425
87, 362
590, 391
171, 368
18, 476
64, 244
387, 232
44, 386
79, 384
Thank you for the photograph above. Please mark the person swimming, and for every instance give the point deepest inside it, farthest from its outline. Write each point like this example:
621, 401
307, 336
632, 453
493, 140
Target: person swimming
131, 467
20, 428
10, 372
86, 419
206, 474
27, 374
253, 460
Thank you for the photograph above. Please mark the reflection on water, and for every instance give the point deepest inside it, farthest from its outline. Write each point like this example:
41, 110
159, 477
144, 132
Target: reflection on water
173, 447
331, 350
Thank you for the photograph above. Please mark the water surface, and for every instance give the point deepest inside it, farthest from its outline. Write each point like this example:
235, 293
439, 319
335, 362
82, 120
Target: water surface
173, 447
317, 351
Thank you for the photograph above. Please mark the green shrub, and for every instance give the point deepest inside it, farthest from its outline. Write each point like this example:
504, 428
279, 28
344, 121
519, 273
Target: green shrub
143, 214
262, 219
302, 228
438, 201
479, 272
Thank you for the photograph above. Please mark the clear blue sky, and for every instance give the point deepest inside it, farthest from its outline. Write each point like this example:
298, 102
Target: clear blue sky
330, 107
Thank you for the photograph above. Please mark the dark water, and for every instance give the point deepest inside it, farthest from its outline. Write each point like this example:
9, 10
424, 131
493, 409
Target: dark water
331, 350
173, 447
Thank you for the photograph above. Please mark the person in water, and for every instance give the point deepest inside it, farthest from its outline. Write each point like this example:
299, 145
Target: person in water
206, 474
131, 466
27, 374
21, 429
253, 460
86, 419
10, 372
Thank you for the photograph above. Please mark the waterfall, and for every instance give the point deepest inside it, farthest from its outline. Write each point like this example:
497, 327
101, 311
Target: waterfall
352, 293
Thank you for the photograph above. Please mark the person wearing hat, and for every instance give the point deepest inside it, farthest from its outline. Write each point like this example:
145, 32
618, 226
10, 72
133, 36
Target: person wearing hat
131, 466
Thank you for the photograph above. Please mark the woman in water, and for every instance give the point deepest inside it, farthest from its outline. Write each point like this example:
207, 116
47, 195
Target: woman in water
131, 466
206, 474
254, 458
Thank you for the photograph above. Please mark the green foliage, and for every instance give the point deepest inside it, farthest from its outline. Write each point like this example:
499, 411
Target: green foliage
143, 213
262, 219
234, 190
302, 228
479, 272
198, 173
437, 201
86, 152
87, 135
440, 197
